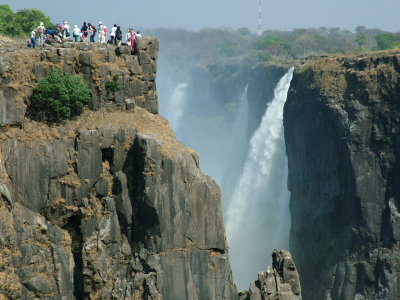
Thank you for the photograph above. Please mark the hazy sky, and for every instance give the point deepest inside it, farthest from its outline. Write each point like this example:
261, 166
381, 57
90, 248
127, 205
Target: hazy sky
197, 14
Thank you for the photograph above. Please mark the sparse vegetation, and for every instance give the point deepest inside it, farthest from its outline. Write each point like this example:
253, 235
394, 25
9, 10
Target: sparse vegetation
58, 96
113, 85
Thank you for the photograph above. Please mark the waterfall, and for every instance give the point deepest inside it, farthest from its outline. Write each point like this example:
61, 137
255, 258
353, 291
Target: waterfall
258, 217
176, 105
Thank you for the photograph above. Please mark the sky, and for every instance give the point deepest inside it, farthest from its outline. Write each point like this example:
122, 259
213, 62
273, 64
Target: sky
198, 14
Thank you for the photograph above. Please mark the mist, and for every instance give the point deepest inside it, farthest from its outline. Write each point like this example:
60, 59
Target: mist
207, 107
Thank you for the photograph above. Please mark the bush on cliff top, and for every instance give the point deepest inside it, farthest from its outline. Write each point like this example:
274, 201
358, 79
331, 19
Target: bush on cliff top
58, 96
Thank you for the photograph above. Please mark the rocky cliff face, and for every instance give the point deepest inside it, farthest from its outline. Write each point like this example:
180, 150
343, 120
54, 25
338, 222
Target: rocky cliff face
279, 282
97, 64
342, 124
109, 205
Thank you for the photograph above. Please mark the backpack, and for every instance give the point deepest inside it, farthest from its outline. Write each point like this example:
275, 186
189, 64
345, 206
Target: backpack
119, 34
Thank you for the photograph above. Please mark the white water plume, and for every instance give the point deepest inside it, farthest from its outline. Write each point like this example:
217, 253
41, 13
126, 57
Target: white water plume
258, 217
176, 105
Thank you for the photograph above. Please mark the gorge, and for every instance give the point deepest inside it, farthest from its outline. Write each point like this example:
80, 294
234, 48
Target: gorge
341, 121
112, 206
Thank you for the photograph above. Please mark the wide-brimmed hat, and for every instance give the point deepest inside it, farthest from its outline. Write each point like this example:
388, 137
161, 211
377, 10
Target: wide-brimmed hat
65, 22
41, 23
100, 23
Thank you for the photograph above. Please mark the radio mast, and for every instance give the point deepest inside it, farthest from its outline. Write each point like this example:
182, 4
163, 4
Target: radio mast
259, 19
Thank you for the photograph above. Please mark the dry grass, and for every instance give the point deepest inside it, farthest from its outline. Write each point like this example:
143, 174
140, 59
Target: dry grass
330, 74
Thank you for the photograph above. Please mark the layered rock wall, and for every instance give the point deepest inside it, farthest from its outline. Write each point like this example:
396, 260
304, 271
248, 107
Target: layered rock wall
116, 211
342, 124
110, 205
96, 63
279, 282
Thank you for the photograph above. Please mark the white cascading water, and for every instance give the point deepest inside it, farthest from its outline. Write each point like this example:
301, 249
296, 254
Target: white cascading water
176, 105
258, 217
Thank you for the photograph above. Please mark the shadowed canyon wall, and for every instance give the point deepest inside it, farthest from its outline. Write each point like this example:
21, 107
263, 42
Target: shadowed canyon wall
342, 124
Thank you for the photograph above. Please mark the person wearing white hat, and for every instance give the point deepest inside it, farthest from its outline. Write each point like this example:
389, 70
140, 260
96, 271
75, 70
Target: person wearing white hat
41, 30
33, 39
67, 29
100, 32
77, 34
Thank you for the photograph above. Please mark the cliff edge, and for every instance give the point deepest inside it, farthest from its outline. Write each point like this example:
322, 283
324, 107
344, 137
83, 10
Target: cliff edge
342, 124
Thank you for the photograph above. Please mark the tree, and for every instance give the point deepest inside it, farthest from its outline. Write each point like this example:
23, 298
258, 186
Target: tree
29, 19
361, 38
8, 24
361, 29
385, 41
244, 31
270, 40
307, 42
21, 23
58, 96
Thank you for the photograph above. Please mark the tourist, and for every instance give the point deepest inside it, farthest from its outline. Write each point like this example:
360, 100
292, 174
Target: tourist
77, 34
113, 33
118, 36
128, 35
33, 39
104, 33
84, 32
51, 31
67, 29
41, 30
92, 32
60, 32
100, 29
133, 42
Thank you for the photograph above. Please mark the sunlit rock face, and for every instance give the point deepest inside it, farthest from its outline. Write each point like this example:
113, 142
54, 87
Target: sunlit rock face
110, 205
278, 282
20, 68
342, 123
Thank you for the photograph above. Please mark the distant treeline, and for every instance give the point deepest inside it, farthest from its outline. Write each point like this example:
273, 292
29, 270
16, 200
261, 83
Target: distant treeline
21, 23
209, 45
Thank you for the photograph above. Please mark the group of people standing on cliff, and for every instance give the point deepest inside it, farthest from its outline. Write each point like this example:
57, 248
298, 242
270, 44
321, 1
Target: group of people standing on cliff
85, 34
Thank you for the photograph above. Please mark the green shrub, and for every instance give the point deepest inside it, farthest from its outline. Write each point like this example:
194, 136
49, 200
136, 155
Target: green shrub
58, 96
113, 86
22, 22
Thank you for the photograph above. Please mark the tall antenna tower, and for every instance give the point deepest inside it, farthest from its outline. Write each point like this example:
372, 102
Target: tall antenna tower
259, 19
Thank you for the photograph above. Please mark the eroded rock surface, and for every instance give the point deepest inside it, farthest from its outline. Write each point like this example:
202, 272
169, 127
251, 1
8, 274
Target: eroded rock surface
109, 206
342, 124
21, 68
279, 282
